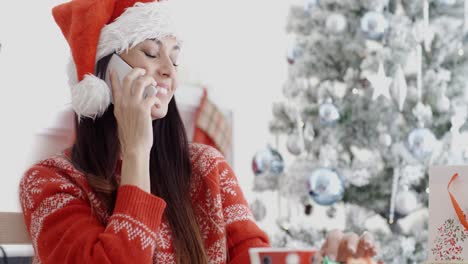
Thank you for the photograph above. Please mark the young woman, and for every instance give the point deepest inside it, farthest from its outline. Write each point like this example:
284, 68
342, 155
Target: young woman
131, 189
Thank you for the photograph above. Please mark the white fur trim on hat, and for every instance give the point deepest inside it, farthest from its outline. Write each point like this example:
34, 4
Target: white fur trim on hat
137, 23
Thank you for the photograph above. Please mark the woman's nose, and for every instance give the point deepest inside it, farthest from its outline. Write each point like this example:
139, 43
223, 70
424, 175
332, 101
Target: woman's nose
166, 68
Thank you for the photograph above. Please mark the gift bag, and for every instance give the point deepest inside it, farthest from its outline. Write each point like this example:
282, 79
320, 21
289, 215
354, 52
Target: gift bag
448, 204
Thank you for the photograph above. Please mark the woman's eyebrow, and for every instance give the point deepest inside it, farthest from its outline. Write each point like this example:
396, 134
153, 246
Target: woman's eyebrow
176, 47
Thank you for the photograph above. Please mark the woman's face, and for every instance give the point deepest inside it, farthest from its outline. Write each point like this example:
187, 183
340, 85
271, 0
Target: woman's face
159, 59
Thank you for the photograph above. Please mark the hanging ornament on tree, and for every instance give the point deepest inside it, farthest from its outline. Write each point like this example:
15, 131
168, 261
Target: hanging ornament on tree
325, 186
381, 83
385, 139
294, 144
309, 133
328, 113
267, 161
443, 104
400, 88
406, 202
258, 210
336, 23
446, 2
421, 142
374, 25
310, 4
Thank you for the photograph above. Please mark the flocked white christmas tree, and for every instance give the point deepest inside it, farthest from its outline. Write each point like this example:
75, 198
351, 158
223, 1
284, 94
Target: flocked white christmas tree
376, 94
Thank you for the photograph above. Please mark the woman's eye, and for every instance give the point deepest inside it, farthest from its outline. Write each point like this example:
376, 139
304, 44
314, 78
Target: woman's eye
151, 56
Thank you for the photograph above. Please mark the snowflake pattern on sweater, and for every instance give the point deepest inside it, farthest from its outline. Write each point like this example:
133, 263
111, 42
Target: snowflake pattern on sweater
68, 223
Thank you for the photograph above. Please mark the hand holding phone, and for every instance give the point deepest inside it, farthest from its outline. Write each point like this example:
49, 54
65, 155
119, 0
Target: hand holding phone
121, 68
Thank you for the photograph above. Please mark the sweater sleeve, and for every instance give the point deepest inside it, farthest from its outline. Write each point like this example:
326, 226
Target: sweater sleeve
63, 228
242, 230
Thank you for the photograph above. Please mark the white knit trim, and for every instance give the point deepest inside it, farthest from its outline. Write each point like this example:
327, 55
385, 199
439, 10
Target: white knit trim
90, 97
137, 23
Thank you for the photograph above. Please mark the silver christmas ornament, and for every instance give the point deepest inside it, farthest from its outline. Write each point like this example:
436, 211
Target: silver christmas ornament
400, 88
258, 210
374, 25
267, 161
325, 186
294, 144
328, 113
406, 202
336, 23
446, 2
421, 142
310, 4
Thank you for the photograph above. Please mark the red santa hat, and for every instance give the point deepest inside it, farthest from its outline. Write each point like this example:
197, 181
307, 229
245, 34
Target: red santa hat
97, 28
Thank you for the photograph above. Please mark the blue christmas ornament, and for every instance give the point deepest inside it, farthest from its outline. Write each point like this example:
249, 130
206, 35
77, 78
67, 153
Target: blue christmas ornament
328, 113
268, 161
310, 4
374, 25
421, 142
325, 186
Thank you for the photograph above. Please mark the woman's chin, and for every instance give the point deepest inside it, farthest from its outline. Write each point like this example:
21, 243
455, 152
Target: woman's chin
158, 113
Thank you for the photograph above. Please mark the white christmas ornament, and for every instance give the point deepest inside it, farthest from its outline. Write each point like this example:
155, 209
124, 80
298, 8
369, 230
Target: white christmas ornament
381, 83
406, 202
385, 139
294, 144
443, 104
336, 23
400, 88
309, 132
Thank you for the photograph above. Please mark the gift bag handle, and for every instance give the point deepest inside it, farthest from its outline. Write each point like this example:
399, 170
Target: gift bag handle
458, 210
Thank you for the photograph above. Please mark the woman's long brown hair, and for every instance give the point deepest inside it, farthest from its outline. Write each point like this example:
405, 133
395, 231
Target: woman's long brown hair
96, 152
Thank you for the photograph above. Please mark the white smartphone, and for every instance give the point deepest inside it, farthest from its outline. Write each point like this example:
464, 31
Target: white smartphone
121, 68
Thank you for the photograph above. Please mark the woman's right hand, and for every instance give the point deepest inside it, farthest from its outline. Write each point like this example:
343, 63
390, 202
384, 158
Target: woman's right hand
132, 112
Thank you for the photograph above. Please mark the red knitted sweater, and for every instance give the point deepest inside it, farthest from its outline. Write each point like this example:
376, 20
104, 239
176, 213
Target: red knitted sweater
69, 224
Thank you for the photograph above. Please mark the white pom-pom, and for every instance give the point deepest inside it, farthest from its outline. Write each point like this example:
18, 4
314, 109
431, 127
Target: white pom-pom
90, 97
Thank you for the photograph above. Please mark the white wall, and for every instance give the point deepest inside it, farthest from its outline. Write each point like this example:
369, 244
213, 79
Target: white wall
235, 48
